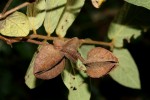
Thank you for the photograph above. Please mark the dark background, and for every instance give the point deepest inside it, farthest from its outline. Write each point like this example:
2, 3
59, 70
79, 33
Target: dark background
91, 23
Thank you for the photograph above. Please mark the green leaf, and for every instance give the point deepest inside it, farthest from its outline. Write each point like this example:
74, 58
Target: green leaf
142, 3
118, 33
126, 73
30, 79
15, 25
76, 82
72, 9
36, 13
54, 10
84, 49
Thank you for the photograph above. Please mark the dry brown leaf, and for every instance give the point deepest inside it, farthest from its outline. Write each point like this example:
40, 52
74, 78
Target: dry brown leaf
99, 62
47, 59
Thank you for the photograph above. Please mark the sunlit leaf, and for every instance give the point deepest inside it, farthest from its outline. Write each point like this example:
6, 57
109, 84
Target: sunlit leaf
15, 25
72, 9
36, 13
76, 82
126, 73
54, 10
142, 3
118, 33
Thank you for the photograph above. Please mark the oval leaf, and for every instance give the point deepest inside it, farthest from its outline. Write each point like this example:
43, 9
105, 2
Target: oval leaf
36, 13
54, 10
118, 33
73, 7
75, 82
15, 25
126, 73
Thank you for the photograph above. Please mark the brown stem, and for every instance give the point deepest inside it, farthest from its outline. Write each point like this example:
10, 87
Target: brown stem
6, 6
31, 38
88, 41
14, 9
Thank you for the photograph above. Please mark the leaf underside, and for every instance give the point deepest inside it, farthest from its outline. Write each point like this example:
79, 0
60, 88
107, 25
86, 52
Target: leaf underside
142, 3
36, 13
126, 72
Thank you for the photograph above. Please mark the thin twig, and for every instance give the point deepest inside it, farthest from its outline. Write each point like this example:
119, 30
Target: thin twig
31, 38
6, 6
14, 9
89, 41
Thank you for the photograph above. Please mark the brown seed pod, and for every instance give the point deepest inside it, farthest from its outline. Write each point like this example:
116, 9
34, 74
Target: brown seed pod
48, 60
99, 62
58, 43
52, 73
96, 70
100, 54
70, 49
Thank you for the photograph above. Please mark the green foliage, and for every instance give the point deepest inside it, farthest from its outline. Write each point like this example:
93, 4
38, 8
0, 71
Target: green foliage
122, 29
59, 15
126, 72
30, 79
84, 49
118, 33
72, 9
36, 13
54, 10
15, 25
76, 82
142, 3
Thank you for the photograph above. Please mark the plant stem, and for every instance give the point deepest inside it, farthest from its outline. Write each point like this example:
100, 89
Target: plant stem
31, 38
89, 41
13, 10
6, 6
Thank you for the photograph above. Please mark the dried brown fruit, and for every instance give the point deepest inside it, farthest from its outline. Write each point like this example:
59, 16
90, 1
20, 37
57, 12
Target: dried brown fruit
53, 72
58, 43
99, 62
48, 63
70, 49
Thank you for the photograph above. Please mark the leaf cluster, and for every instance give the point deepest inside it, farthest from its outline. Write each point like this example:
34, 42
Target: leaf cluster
71, 58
